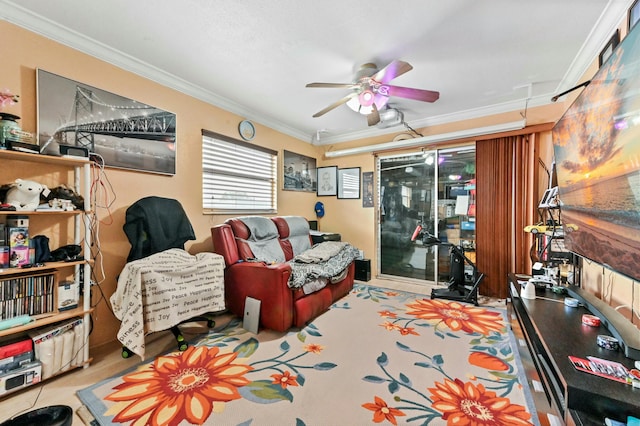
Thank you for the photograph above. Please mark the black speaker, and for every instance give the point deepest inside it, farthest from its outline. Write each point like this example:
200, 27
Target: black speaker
363, 269
75, 151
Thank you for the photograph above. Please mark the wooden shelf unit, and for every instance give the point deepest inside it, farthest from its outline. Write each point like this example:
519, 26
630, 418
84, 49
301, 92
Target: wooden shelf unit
14, 163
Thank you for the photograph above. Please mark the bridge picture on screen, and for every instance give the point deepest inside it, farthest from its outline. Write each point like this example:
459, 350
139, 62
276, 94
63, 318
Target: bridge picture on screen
127, 134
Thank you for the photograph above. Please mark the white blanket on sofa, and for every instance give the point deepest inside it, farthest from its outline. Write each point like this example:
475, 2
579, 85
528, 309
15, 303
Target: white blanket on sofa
325, 260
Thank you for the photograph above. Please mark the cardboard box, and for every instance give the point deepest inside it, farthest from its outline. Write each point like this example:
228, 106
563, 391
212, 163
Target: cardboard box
453, 234
68, 295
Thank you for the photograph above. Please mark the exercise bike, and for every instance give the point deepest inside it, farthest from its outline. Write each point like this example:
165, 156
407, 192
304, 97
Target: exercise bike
459, 287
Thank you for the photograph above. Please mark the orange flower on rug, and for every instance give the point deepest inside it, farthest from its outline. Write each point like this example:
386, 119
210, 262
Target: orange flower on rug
469, 404
457, 316
182, 386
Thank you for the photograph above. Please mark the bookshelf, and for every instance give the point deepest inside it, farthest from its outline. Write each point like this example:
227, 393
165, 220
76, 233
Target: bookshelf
62, 227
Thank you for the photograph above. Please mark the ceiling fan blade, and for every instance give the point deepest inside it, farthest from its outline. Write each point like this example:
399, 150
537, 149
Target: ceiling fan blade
334, 85
335, 105
409, 93
373, 117
391, 71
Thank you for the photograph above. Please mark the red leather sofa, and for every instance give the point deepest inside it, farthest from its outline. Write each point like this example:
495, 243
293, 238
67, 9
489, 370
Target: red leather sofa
282, 307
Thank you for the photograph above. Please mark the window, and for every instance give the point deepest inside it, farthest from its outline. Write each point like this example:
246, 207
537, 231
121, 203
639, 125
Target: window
237, 177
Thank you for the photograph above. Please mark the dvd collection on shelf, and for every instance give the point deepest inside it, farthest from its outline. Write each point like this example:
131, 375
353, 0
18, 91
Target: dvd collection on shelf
27, 295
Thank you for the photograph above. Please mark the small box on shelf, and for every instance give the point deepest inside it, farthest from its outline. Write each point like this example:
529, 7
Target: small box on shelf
18, 239
68, 295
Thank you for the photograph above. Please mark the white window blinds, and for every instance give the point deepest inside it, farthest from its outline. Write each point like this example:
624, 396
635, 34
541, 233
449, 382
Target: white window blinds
237, 177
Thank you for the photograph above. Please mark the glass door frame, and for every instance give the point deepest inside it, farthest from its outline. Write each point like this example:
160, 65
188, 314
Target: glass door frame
423, 153
435, 210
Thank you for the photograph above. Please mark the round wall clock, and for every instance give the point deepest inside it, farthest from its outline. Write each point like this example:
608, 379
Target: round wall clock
247, 130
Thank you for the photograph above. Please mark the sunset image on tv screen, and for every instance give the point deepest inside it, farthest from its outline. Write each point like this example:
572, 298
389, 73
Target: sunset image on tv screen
597, 154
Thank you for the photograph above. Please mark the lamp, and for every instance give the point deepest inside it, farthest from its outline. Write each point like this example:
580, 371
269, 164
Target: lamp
363, 103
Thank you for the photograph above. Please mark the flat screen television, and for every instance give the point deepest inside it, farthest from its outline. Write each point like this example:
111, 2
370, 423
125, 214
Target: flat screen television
597, 154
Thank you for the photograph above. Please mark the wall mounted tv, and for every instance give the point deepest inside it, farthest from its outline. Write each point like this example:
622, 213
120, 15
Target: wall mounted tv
597, 153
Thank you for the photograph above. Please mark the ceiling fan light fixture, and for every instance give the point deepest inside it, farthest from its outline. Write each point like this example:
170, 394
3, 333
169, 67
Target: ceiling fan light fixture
370, 91
366, 98
390, 117
354, 104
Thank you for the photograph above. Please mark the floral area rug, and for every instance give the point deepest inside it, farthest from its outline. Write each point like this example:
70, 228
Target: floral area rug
377, 356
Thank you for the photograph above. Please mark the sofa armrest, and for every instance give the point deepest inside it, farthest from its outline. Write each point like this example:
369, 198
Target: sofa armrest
224, 243
267, 283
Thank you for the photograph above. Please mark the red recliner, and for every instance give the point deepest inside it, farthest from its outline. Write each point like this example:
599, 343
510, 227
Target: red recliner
281, 307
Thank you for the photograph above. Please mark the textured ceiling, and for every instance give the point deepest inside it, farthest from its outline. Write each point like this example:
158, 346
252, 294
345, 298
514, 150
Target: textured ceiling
254, 57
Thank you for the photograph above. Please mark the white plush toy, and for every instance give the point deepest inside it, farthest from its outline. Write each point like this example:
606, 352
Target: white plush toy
24, 195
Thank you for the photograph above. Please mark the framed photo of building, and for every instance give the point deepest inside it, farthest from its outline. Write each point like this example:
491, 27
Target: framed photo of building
127, 134
349, 183
327, 181
299, 172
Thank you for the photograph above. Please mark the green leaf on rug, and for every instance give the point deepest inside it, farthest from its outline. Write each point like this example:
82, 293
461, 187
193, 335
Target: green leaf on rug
405, 379
323, 366
265, 392
382, 360
374, 379
247, 348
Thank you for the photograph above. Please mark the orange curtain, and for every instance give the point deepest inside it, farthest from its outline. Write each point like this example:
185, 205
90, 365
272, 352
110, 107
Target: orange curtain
503, 208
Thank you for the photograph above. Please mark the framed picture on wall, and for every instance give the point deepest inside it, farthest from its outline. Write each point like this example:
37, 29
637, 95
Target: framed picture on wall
127, 134
299, 172
327, 181
608, 48
349, 183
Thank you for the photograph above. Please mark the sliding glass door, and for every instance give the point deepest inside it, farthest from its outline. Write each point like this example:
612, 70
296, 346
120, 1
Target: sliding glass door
423, 196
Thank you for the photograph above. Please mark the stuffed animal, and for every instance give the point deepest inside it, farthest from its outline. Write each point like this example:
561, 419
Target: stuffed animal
24, 195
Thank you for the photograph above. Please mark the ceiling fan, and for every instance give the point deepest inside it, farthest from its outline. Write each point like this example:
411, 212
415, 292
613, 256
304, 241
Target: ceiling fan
370, 91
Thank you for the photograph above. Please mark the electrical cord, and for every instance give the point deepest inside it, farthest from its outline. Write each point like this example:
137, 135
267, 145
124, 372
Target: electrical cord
411, 129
